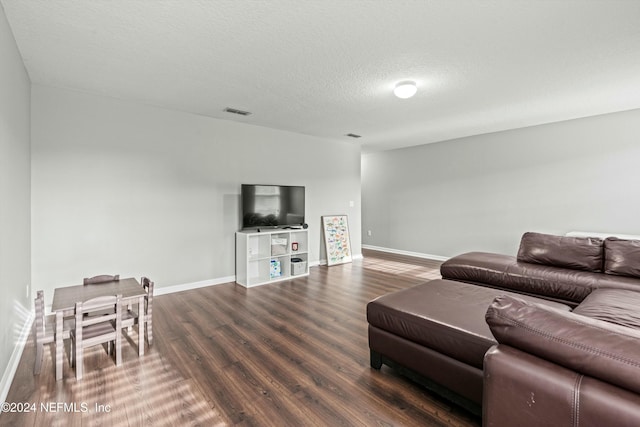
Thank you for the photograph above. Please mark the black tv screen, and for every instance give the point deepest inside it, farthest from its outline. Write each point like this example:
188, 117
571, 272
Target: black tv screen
272, 206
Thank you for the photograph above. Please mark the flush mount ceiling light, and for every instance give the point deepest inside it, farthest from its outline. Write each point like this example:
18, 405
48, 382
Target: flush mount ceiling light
405, 89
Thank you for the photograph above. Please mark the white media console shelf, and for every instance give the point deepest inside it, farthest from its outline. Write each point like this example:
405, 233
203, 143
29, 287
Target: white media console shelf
269, 256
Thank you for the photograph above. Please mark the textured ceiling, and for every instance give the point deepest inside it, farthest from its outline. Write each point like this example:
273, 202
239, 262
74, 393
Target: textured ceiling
327, 67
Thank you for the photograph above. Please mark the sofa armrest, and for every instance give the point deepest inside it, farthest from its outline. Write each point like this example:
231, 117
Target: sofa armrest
523, 390
592, 347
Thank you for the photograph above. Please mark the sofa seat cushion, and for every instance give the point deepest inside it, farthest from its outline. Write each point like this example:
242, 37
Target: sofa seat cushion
506, 272
443, 315
603, 350
618, 306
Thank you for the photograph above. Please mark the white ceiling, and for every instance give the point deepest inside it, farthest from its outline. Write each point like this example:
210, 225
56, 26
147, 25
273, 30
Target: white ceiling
327, 67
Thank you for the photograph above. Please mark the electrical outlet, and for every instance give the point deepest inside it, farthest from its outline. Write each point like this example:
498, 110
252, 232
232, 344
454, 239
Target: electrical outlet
369, 233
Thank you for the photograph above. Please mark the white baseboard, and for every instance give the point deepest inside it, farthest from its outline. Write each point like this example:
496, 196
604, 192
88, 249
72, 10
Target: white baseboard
203, 283
408, 253
14, 361
194, 285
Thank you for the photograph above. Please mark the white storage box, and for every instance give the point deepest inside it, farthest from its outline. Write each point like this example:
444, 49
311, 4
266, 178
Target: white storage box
298, 267
278, 245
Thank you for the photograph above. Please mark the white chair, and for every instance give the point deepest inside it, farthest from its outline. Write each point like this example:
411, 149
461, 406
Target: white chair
94, 330
46, 330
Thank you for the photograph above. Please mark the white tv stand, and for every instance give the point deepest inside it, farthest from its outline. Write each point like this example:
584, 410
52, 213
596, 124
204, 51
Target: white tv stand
269, 256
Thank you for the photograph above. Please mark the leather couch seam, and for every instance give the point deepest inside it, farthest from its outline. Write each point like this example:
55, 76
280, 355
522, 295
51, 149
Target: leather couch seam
575, 413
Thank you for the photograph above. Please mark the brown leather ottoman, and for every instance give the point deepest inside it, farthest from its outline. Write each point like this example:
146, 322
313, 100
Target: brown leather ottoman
436, 334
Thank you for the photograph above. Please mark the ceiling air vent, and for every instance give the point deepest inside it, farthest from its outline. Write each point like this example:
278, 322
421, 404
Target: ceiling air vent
236, 111
353, 135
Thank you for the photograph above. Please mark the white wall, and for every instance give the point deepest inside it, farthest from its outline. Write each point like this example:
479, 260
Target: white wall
483, 192
15, 264
124, 188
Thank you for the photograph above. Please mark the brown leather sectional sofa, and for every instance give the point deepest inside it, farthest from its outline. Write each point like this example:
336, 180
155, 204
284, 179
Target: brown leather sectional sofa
549, 337
559, 268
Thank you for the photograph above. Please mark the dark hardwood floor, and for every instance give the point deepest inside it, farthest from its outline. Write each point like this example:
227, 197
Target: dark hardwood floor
293, 353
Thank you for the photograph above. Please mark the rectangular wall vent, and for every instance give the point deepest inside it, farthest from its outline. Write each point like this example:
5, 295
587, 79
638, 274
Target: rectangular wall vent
236, 111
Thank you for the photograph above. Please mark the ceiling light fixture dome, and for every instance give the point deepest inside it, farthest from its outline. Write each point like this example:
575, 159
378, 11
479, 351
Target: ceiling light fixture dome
405, 89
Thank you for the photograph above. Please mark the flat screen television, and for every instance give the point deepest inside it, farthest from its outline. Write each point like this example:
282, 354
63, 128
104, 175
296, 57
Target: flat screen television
272, 206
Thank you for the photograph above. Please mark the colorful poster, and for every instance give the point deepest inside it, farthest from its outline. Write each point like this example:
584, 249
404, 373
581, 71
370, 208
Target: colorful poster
336, 239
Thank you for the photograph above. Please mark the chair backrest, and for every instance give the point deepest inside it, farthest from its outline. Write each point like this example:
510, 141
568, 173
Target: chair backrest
147, 284
103, 278
110, 304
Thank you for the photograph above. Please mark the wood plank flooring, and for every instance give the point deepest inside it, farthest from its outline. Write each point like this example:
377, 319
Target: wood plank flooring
293, 353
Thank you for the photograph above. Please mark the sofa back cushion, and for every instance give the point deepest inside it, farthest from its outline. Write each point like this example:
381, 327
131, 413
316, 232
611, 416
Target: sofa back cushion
577, 253
592, 347
622, 257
